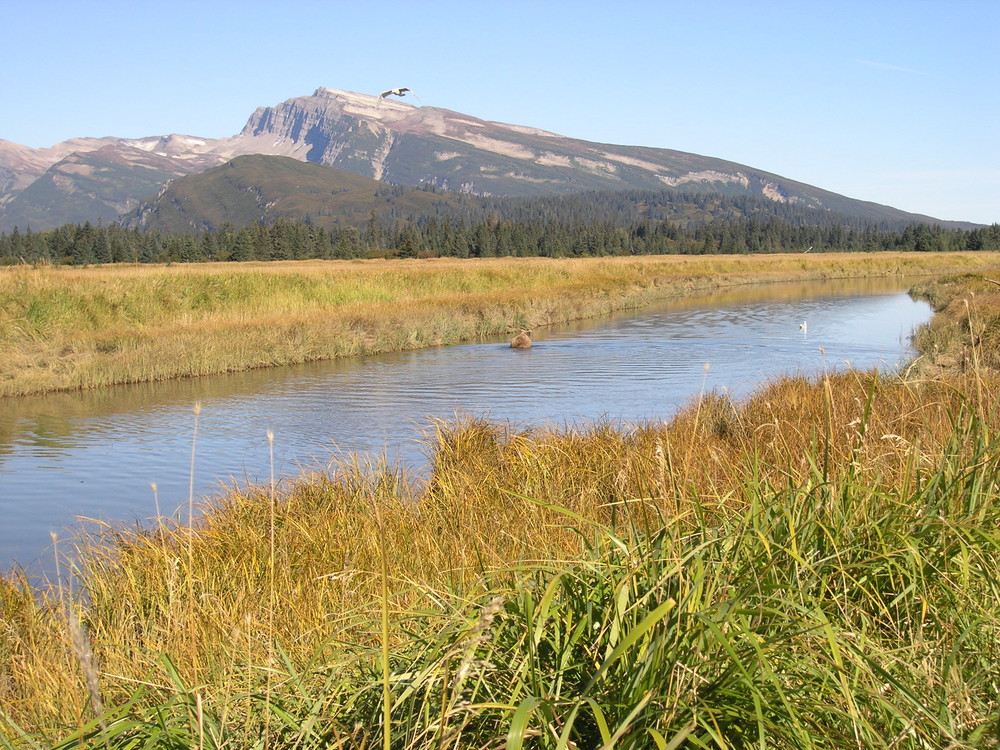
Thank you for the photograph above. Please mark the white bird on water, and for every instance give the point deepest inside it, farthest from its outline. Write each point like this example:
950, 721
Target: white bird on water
804, 327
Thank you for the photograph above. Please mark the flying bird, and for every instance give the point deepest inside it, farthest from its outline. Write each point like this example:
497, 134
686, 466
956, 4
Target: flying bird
393, 92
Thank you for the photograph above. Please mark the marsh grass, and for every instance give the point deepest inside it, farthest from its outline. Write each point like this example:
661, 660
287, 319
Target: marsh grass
965, 331
815, 567
69, 328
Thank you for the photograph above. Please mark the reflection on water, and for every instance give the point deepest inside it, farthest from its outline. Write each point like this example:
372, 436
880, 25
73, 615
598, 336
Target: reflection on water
96, 454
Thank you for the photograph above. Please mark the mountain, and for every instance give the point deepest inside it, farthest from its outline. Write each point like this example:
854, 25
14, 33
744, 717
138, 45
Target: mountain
262, 189
92, 179
389, 141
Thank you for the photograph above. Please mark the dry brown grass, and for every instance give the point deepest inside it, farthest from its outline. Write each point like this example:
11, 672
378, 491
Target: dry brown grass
273, 577
964, 334
497, 499
69, 328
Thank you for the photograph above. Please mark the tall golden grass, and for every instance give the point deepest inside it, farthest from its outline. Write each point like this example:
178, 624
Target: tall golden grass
218, 597
815, 566
69, 328
270, 580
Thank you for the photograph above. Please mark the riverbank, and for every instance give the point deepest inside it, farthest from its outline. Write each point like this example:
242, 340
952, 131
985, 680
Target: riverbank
964, 334
814, 567
82, 328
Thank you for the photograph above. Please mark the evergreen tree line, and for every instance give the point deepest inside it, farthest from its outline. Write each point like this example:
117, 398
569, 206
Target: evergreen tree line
492, 236
690, 209
621, 207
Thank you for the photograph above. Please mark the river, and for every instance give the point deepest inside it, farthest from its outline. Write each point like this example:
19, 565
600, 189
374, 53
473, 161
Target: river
98, 454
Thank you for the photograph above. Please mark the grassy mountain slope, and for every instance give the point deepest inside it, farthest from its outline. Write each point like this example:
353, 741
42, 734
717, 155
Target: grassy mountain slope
88, 186
262, 189
252, 189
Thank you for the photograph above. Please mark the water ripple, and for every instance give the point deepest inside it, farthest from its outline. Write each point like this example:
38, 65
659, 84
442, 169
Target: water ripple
97, 454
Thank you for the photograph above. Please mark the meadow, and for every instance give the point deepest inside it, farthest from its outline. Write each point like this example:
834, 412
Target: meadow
68, 328
817, 566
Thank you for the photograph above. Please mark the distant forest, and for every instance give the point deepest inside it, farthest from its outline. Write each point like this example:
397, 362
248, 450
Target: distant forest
586, 224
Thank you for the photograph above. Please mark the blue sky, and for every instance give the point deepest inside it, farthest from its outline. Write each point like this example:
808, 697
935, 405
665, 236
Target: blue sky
890, 101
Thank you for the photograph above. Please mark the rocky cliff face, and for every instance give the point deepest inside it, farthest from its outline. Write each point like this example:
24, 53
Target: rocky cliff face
326, 128
384, 139
396, 141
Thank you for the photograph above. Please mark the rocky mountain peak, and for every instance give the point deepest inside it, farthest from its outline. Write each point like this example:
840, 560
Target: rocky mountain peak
388, 139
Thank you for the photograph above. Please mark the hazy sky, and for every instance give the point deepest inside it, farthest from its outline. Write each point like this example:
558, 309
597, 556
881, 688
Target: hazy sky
896, 102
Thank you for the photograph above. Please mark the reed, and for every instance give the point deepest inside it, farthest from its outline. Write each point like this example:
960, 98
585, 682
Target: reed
825, 571
965, 331
816, 566
80, 328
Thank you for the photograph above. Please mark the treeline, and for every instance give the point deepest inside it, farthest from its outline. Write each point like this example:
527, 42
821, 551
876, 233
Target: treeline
687, 208
490, 237
625, 207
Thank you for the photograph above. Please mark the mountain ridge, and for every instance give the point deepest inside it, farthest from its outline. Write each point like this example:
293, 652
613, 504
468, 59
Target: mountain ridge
100, 179
261, 189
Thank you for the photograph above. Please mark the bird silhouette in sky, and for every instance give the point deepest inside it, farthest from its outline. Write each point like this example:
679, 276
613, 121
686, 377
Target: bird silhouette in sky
393, 92
400, 92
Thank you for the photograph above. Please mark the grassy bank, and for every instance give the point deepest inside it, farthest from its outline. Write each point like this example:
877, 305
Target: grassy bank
818, 578
815, 567
66, 328
964, 334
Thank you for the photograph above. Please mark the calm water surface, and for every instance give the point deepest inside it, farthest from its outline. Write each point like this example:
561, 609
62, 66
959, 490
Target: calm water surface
95, 455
